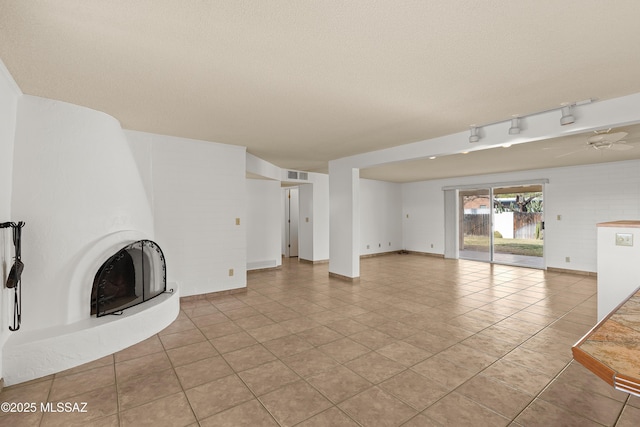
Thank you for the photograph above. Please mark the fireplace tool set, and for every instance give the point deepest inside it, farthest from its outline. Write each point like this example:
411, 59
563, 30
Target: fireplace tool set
14, 278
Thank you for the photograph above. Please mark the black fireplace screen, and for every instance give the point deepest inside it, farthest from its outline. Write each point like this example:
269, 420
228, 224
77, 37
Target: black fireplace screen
135, 274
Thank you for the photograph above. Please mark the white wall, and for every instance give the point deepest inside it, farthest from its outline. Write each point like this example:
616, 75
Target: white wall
320, 217
380, 216
618, 266
141, 149
423, 216
344, 228
263, 224
261, 168
199, 189
305, 223
585, 196
582, 195
9, 95
314, 204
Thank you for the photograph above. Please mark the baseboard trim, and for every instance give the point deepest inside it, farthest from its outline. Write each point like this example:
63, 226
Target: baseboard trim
308, 261
344, 278
379, 254
278, 267
210, 295
567, 271
430, 254
402, 252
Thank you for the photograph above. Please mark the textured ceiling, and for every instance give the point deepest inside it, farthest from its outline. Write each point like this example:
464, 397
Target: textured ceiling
300, 83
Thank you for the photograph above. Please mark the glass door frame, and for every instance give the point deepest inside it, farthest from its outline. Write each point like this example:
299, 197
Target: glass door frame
453, 219
480, 191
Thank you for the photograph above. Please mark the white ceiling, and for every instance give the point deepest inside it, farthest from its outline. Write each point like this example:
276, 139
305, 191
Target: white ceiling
300, 83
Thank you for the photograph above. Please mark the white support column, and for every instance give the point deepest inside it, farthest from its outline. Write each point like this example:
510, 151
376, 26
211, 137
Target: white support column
344, 221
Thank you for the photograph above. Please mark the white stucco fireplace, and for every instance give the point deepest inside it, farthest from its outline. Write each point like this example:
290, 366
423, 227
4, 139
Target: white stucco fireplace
74, 225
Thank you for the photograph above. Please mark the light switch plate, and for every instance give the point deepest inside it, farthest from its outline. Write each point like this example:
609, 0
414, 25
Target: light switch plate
624, 239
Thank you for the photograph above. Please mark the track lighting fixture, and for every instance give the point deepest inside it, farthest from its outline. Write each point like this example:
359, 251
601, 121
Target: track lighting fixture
567, 118
515, 129
474, 137
515, 126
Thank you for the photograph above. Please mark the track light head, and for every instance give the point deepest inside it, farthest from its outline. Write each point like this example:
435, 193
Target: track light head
515, 126
567, 118
474, 137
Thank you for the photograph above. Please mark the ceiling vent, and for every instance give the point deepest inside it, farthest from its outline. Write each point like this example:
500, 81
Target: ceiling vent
292, 174
303, 175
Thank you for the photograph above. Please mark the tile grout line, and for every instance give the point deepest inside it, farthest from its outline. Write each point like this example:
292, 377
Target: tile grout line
173, 368
287, 292
497, 360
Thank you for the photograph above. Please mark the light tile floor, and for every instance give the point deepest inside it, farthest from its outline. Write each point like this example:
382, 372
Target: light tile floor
508, 259
418, 341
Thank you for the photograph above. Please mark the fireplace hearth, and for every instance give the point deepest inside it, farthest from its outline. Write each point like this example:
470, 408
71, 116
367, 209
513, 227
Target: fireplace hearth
133, 275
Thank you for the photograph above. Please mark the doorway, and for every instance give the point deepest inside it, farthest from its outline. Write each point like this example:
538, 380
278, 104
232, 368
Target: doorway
503, 225
291, 222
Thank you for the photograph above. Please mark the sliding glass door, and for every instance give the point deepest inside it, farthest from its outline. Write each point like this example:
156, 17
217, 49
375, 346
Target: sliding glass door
502, 224
475, 228
518, 225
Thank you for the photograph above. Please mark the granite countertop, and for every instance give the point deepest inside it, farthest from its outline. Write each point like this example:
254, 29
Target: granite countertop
611, 349
624, 223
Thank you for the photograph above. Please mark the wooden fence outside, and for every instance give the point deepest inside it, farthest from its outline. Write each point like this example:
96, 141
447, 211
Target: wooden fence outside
524, 224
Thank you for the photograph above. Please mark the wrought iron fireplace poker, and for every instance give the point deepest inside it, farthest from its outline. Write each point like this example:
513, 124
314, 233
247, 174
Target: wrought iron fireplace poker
15, 275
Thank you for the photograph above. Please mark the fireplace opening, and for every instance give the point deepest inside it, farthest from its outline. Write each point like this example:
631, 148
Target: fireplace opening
133, 275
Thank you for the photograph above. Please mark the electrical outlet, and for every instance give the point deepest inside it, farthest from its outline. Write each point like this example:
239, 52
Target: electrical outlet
624, 239
389, 243
367, 246
379, 245
567, 259
559, 217
432, 245
237, 221
230, 272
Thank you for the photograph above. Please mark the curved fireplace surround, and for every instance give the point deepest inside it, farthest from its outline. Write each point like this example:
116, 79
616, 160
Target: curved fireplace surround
133, 275
85, 194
